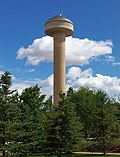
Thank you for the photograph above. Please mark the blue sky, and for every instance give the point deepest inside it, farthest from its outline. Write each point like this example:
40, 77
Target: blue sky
93, 59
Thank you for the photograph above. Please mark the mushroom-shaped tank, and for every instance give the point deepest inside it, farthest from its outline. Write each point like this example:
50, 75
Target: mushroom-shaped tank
59, 24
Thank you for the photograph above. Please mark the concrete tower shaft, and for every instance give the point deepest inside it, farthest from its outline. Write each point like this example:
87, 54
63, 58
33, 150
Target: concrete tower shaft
59, 27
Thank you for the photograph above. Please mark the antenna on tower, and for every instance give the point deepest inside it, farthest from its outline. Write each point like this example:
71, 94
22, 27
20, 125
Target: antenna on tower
61, 13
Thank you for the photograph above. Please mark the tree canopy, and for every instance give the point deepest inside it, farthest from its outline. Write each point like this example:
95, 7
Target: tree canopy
29, 123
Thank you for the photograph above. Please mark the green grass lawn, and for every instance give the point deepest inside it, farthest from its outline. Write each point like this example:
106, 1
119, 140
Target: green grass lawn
82, 156
79, 156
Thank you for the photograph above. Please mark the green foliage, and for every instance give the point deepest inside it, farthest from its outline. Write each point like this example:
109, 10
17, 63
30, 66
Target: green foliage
29, 124
9, 114
21, 119
97, 114
64, 129
31, 102
105, 121
117, 107
83, 99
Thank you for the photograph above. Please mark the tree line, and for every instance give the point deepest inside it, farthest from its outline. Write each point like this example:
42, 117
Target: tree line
83, 120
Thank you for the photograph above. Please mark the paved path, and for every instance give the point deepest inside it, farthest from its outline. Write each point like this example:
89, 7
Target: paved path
99, 153
89, 153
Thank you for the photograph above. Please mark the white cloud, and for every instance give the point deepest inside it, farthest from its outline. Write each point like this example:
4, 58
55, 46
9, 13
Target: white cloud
76, 78
30, 71
20, 84
45, 85
86, 73
74, 73
109, 58
110, 85
40, 50
1, 72
116, 63
78, 51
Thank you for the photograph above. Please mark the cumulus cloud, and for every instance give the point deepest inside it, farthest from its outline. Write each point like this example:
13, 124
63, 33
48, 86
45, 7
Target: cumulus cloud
78, 51
111, 85
20, 84
74, 73
45, 85
40, 50
76, 78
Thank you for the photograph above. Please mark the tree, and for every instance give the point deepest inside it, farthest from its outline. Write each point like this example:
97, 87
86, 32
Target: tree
64, 129
117, 106
105, 121
98, 115
9, 114
21, 119
84, 102
31, 104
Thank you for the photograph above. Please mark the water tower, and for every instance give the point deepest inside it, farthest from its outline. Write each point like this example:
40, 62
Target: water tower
59, 27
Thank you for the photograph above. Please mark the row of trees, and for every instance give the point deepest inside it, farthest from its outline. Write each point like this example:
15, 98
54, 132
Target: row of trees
30, 124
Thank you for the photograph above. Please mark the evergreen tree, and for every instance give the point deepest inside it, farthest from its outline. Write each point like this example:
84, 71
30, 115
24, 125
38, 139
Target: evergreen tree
31, 104
9, 114
64, 129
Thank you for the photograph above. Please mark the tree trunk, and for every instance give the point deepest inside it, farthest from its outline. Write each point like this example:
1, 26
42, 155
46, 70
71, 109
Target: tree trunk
104, 147
3, 153
3, 141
